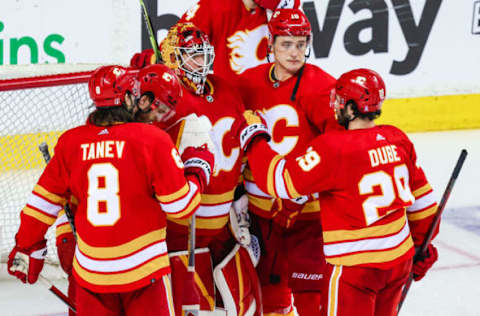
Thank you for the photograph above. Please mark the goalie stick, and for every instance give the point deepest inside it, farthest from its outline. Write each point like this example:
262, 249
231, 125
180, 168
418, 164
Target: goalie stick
191, 298
151, 35
43, 147
446, 194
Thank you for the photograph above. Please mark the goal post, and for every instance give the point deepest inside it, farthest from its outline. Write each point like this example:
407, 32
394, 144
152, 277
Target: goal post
34, 110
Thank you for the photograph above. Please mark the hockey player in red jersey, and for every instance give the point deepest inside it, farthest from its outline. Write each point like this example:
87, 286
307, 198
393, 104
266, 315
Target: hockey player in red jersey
128, 177
293, 96
236, 28
377, 204
187, 51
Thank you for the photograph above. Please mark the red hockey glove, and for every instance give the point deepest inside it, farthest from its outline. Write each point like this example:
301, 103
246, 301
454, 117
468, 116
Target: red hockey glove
142, 59
424, 263
199, 162
285, 212
26, 264
65, 251
248, 127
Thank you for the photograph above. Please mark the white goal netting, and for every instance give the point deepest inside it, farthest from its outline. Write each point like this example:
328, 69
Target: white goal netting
34, 110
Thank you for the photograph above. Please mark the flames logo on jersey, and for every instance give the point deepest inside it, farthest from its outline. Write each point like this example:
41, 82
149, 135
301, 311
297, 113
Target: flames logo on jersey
246, 49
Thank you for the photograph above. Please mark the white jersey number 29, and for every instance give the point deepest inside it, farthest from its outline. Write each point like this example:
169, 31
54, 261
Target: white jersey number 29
389, 194
103, 202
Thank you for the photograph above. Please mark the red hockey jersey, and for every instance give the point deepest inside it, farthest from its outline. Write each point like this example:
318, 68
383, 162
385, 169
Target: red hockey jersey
292, 124
239, 35
221, 105
127, 179
368, 181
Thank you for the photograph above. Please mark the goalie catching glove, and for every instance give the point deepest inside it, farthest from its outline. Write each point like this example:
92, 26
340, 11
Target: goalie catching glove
199, 162
26, 264
249, 126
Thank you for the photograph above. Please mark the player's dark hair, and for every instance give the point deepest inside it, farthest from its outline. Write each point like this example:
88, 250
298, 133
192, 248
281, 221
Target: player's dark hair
356, 113
106, 116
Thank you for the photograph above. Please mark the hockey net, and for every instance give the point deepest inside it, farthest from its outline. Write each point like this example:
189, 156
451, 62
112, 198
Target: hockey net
34, 110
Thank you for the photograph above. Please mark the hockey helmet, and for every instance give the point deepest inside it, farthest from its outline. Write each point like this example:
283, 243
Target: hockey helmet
289, 22
163, 86
363, 86
108, 85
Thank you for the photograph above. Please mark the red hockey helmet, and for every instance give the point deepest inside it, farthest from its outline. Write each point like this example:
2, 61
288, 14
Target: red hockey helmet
162, 83
363, 86
274, 4
289, 22
188, 50
109, 84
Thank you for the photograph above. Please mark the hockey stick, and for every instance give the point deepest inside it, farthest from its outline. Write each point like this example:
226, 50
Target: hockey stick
46, 156
52, 288
151, 35
43, 147
191, 298
446, 194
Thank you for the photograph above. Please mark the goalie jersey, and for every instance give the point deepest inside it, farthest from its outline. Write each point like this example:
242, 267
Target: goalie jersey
221, 105
292, 123
368, 181
127, 179
238, 34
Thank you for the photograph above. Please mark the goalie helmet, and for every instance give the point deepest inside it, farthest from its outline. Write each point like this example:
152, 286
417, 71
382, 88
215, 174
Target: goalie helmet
363, 86
188, 50
108, 85
289, 22
162, 86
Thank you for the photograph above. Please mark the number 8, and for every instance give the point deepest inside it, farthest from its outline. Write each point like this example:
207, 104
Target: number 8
103, 187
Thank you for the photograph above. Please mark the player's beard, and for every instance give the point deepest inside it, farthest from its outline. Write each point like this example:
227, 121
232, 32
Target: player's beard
342, 118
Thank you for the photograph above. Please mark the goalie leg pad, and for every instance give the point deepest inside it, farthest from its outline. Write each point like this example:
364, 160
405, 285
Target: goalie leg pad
238, 284
203, 278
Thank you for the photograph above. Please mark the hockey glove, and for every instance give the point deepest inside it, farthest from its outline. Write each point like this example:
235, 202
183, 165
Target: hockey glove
199, 162
285, 212
424, 262
26, 264
142, 59
65, 251
248, 127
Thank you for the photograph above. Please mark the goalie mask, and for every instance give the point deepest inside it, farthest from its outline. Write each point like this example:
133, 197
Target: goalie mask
160, 91
188, 50
109, 85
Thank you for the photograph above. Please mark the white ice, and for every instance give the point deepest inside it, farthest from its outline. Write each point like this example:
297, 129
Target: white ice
450, 288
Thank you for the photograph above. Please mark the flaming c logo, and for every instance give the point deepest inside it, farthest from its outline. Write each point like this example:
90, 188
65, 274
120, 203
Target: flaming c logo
247, 50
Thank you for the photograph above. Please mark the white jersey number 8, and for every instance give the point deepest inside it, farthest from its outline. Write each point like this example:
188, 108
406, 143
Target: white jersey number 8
103, 202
